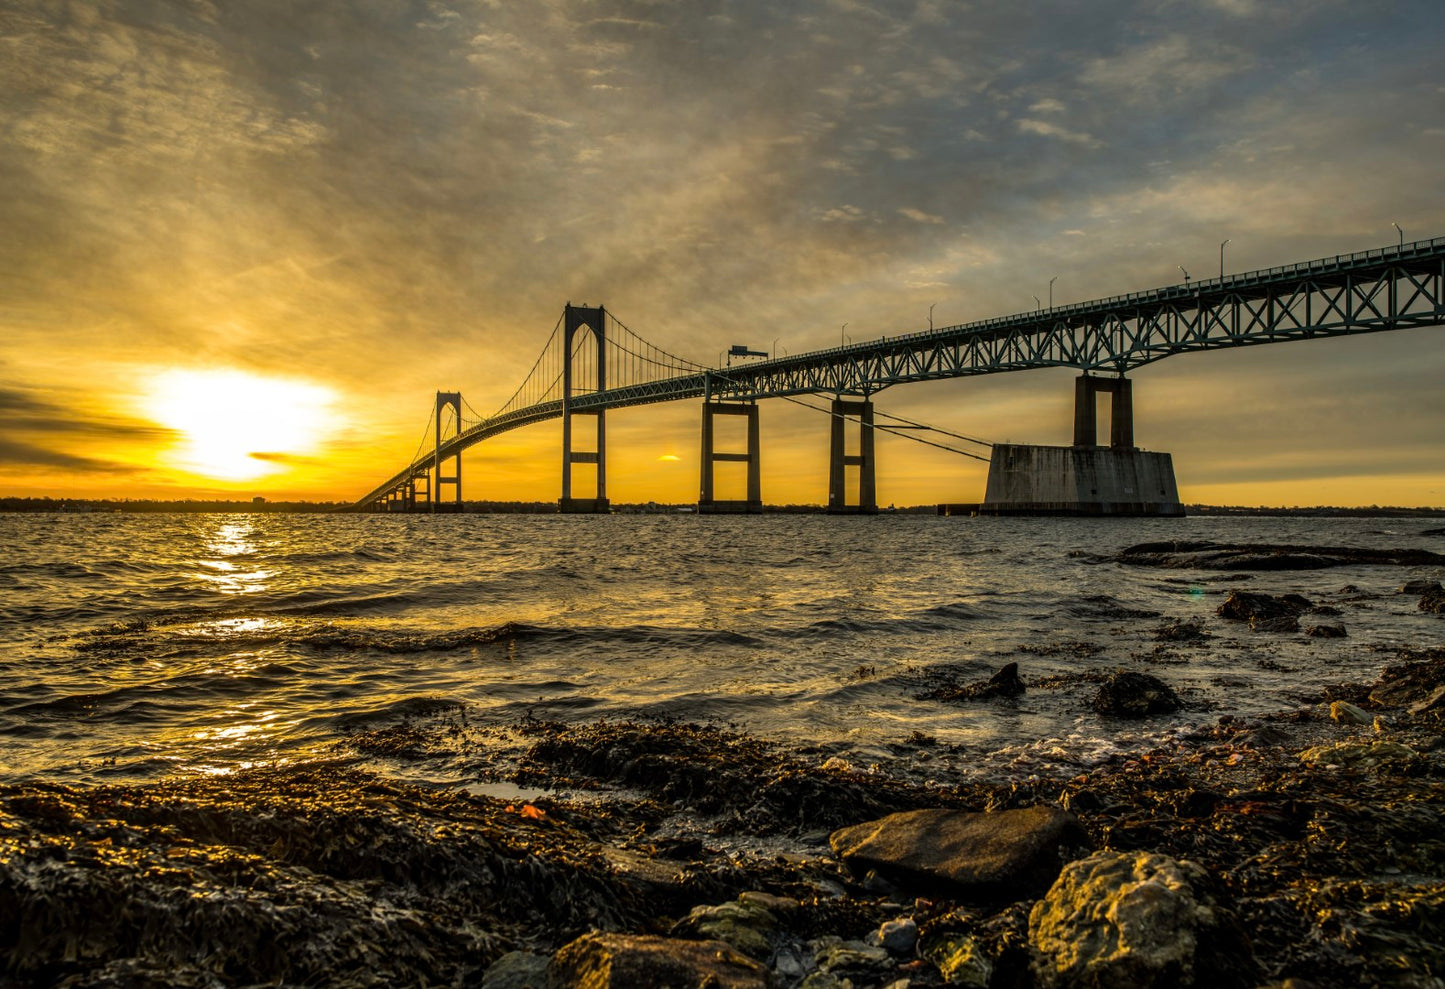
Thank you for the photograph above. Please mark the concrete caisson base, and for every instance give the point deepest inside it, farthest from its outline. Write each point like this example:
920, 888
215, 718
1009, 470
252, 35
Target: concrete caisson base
1079, 480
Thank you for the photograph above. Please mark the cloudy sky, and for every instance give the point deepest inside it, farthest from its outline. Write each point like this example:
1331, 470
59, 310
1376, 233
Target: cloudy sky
242, 243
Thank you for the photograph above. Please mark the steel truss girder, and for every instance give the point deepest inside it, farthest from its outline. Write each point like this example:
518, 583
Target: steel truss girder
1384, 289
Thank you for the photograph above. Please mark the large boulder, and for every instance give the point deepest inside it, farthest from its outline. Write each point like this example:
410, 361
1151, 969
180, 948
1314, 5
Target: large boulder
625, 961
985, 855
1253, 607
1135, 695
1137, 920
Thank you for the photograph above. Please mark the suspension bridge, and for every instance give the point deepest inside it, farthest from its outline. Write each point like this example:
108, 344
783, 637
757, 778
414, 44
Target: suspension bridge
592, 363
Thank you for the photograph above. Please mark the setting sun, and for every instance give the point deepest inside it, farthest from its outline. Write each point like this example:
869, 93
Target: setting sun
235, 426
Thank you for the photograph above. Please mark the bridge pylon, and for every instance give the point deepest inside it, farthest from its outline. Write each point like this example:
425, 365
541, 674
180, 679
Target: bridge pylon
708, 503
575, 320
453, 400
839, 460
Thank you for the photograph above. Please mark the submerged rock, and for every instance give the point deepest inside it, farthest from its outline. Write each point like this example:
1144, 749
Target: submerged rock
623, 961
1433, 601
1005, 683
1325, 631
1127, 919
982, 855
1252, 606
1419, 586
1244, 556
1135, 695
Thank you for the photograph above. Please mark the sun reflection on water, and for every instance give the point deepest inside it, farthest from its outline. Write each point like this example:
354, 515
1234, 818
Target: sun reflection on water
220, 568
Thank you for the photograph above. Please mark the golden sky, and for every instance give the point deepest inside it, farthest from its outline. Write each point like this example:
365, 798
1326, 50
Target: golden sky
244, 243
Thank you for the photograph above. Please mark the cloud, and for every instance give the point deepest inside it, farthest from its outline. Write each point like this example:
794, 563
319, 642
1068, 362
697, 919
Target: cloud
1045, 129
15, 452
918, 216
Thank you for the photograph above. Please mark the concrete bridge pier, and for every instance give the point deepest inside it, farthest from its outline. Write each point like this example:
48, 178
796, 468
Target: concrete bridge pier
839, 460
1085, 479
708, 503
576, 319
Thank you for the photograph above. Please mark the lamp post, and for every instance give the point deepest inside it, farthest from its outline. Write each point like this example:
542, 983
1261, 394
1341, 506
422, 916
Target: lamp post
775, 347
1037, 304
930, 317
1051, 290
842, 336
1186, 274
1221, 257
1401, 232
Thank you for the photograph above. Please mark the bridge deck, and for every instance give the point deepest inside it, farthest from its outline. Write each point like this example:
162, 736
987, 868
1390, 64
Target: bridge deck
1369, 291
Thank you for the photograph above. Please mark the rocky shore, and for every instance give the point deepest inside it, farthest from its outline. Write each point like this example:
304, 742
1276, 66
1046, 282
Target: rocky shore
1307, 847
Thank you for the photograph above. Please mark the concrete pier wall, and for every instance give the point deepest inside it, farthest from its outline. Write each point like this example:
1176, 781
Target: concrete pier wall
1079, 480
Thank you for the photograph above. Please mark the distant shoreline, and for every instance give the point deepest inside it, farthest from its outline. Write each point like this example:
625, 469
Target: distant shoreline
83, 506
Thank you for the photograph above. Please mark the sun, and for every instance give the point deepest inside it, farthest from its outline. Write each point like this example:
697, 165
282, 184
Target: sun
235, 426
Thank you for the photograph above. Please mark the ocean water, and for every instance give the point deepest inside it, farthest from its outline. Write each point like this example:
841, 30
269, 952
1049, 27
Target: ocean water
139, 646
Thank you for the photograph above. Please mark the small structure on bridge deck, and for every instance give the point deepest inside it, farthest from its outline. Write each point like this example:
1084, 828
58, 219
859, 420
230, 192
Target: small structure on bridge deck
1083, 479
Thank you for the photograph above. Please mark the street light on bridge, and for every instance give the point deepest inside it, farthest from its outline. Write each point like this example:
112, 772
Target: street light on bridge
1037, 304
1221, 256
1186, 274
1401, 232
1051, 290
930, 317
842, 336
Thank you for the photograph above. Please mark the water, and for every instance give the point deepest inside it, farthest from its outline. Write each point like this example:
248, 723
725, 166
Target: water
138, 646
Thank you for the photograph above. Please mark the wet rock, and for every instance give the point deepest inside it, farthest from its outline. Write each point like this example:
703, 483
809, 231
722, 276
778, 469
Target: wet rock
1418, 587
1326, 611
1325, 631
1004, 683
897, 937
1403, 684
517, 970
962, 961
1280, 623
1433, 601
1191, 630
833, 954
1251, 606
744, 924
1135, 919
623, 961
1434, 702
1135, 695
1345, 713
983, 855
1361, 755
1263, 557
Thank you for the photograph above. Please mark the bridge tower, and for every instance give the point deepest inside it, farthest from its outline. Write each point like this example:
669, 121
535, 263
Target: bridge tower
839, 460
708, 503
452, 400
575, 320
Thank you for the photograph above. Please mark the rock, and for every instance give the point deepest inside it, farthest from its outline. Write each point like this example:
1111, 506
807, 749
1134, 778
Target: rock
1325, 631
1345, 713
1408, 683
793, 962
1431, 703
825, 980
1360, 755
984, 855
833, 954
1004, 683
745, 924
1135, 695
1418, 587
1127, 919
1279, 623
1175, 630
1326, 611
897, 937
1250, 606
962, 961
625, 961
1433, 601
517, 970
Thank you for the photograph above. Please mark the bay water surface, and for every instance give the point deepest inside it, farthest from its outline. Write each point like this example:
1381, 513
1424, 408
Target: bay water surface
139, 646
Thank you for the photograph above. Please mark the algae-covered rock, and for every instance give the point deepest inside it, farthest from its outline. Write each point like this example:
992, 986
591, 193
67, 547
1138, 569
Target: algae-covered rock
623, 961
744, 924
1003, 853
962, 961
1360, 755
1135, 695
517, 970
896, 936
1136, 919
1253, 607
833, 954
